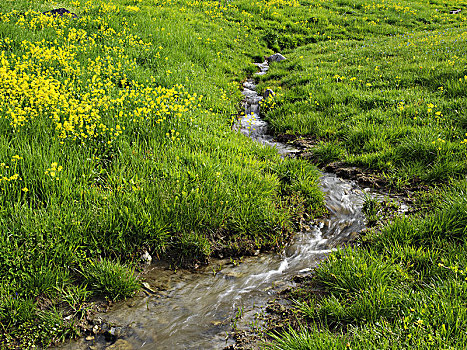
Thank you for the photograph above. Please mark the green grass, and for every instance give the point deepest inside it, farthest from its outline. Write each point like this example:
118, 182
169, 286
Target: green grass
392, 102
110, 279
116, 139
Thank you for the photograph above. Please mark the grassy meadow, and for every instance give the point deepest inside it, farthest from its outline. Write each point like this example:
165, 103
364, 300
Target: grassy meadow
383, 87
116, 140
394, 103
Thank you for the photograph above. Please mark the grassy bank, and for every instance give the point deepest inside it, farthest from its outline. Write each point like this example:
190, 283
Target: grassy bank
390, 98
116, 139
383, 87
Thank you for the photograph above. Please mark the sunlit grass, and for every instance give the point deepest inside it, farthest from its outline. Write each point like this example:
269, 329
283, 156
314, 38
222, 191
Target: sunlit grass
116, 139
392, 103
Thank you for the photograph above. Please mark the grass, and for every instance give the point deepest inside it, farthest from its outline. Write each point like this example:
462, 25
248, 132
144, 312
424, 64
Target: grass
110, 279
391, 101
116, 139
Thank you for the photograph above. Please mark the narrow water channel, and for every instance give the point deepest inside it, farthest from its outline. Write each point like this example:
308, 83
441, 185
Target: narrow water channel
197, 309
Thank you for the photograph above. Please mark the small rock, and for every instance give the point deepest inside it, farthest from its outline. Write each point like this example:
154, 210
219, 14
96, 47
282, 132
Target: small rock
146, 258
268, 93
114, 331
277, 57
148, 288
95, 329
89, 338
120, 344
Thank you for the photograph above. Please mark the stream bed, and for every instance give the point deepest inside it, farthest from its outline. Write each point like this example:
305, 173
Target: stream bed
197, 309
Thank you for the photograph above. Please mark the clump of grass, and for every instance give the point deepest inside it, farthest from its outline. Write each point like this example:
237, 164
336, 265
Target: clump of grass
371, 208
302, 179
15, 309
110, 279
191, 247
325, 153
306, 339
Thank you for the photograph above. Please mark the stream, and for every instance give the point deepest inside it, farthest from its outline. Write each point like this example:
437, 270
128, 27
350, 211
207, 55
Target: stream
197, 309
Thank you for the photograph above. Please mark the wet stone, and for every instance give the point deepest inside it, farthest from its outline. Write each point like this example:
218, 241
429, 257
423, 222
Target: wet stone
147, 287
277, 57
120, 344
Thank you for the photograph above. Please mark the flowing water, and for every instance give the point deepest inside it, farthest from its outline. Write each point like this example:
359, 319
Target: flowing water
197, 308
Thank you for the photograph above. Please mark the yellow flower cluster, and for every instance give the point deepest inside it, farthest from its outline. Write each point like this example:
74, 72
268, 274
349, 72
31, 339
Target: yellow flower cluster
389, 5
281, 3
51, 84
132, 8
32, 20
54, 170
268, 104
6, 169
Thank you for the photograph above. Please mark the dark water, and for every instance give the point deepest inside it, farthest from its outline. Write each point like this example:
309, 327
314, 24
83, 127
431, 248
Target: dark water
197, 309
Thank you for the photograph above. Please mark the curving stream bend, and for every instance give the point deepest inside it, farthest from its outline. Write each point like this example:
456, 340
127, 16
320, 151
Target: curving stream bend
196, 309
